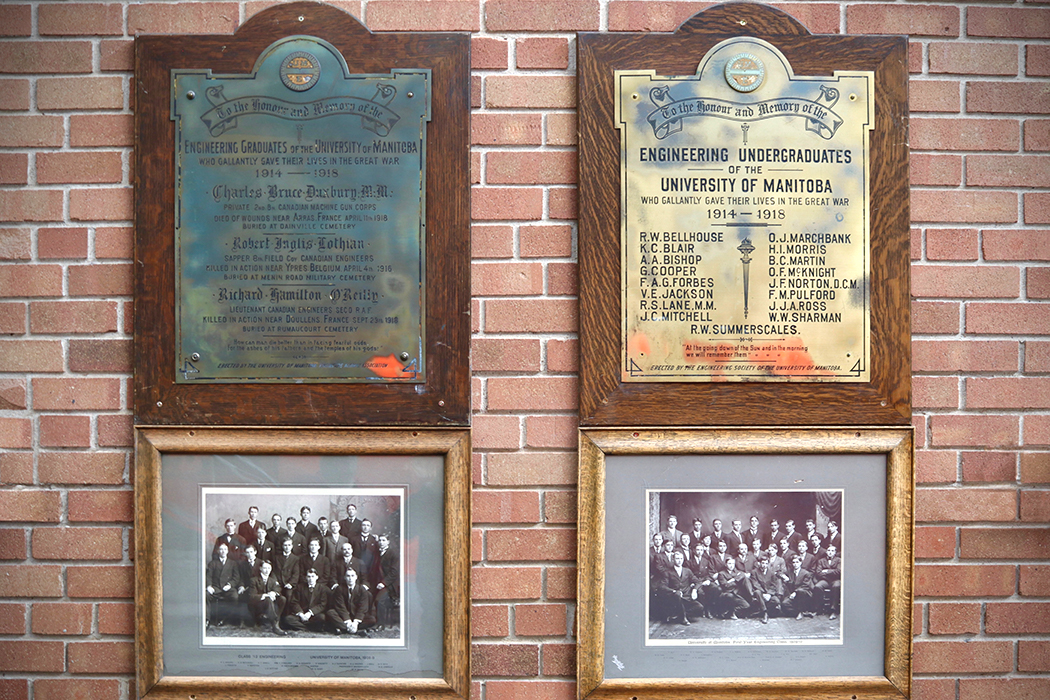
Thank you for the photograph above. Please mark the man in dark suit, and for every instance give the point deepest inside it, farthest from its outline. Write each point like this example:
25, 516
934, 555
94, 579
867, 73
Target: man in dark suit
809, 562
222, 578
754, 533
313, 559
234, 544
337, 572
388, 589
735, 538
265, 602
286, 568
734, 590
366, 548
350, 526
774, 535
677, 592
798, 586
276, 532
247, 529
306, 610
768, 586
716, 534
833, 537
352, 611
672, 532
298, 541
828, 588
332, 546
306, 528
264, 548
792, 535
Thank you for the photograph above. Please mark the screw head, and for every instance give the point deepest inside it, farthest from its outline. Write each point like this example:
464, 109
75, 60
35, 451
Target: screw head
195, 357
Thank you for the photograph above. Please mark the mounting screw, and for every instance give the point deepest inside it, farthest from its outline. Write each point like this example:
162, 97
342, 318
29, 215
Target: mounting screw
441, 403
191, 95
196, 357
403, 356
159, 404
301, 18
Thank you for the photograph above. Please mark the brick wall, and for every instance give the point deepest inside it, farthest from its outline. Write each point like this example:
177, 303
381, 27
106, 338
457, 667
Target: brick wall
980, 133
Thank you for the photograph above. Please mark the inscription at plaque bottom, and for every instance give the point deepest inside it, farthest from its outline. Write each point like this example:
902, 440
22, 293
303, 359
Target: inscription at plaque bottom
300, 220
745, 222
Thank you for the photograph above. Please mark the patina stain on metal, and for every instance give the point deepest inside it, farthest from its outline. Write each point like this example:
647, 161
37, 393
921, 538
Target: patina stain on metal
745, 247
300, 220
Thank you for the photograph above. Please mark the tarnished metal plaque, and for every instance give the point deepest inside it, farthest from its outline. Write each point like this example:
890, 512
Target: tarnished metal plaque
300, 220
745, 223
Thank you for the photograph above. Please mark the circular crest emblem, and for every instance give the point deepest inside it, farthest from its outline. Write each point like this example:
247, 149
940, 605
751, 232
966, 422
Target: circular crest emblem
300, 71
745, 72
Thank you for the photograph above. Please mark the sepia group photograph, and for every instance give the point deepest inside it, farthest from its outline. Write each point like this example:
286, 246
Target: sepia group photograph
302, 566
744, 567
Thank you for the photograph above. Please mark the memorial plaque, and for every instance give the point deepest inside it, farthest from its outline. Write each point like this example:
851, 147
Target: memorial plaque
300, 220
745, 220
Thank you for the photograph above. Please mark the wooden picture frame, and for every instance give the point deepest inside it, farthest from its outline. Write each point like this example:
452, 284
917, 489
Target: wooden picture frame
303, 456
674, 452
605, 398
444, 398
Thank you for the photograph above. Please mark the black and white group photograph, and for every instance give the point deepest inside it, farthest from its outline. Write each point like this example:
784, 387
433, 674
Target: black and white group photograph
302, 566
744, 567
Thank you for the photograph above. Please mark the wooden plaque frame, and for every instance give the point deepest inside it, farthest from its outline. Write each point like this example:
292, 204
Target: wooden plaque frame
897, 444
445, 397
150, 447
607, 401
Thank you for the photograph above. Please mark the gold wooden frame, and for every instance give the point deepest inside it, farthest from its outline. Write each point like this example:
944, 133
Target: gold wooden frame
150, 446
898, 446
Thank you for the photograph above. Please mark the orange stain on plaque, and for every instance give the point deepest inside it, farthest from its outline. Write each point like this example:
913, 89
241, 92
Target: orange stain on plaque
638, 345
387, 367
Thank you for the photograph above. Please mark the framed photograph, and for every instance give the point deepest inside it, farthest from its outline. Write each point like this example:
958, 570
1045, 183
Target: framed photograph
315, 562
741, 563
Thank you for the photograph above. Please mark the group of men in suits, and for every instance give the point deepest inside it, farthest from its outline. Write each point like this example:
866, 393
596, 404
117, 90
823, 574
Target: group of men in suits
336, 576
744, 573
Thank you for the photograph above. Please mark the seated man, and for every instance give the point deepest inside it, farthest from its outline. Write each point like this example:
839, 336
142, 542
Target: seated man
352, 611
306, 610
265, 602
388, 589
734, 590
676, 592
798, 585
222, 578
768, 586
829, 581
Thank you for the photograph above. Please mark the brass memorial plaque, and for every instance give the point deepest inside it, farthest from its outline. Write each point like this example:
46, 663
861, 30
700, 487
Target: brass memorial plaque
300, 220
745, 223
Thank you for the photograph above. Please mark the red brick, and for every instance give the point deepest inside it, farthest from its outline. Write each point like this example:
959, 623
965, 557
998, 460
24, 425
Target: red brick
15, 244
955, 618
1004, 688
561, 129
546, 241
1004, 543
935, 392
1016, 244
532, 394
12, 322
562, 279
504, 659
932, 170
532, 469
540, 620
551, 432
505, 507
989, 466
31, 355
14, 97
541, 15
1037, 135
505, 355
962, 657
963, 206
964, 356
110, 355
1033, 656
62, 618
561, 203
559, 507
974, 431
965, 505
973, 58
113, 242
963, 580
16, 467
57, 243
37, 505
30, 205
76, 394
16, 20
1008, 22
1007, 392
1035, 467
561, 583
101, 204
32, 656
475, 168
530, 91
1035, 506
79, 167
547, 544
45, 57
523, 168
117, 55
81, 467
1015, 98
964, 134
12, 621
489, 432
100, 581
13, 543
916, 20
116, 618
54, 317
101, 657
100, 506
934, 542
15, 433
30, 581
70, 19
934, 96
99, 130
1037, 207
559, 659
1037, 60
475, 92
195, 18
496, 203
80, 93
935, 317
477, 538
487, 54
1001, 318
14, 168
78, 543
423, 15
529, 690
546, 52
489, 621
1017, 618
636, 16
506, 129
531, 316
1037, 283
933, 688
506, 279
505, 583
76, 688
1007, 171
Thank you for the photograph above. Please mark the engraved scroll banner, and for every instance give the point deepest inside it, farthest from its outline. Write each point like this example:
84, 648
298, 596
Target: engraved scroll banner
300, 220
744, 221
